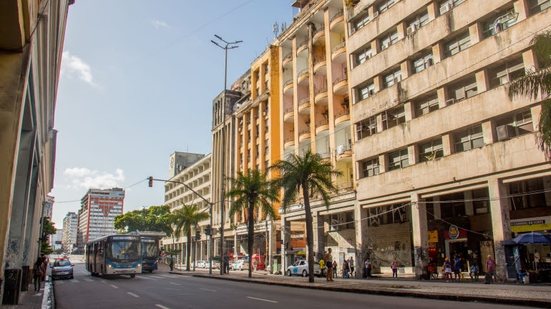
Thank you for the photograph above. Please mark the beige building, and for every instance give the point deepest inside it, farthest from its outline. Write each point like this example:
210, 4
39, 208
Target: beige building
446, 163
31, 44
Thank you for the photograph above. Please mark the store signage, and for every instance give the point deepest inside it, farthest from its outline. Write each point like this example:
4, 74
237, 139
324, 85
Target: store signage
453, 232
533, 224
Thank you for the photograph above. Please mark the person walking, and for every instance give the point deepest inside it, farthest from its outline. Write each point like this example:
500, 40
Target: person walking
457, 267
335, 273
474, 272
490, 270
329, 265
345, 270
44, 267
37, 274
447, 269
394, 267
367, 268
351, 265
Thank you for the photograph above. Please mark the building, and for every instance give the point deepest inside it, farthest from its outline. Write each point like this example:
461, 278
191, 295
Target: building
70, 226
182, 160
190, 185
96, 217
446, 163
315, 116
31, 44
56, 240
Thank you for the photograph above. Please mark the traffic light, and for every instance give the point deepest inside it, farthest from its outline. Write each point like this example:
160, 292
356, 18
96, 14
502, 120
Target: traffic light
197, 234
150, 178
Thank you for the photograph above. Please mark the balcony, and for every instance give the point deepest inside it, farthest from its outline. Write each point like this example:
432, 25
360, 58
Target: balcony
288, 87
339, 52
320, 94
336, 22
319, 65
319, 35
289, 141
342, 116
287, 60
302, 47
340, 85
322, 125
304, 106
303, 135
303, 77
343, 152
288, 114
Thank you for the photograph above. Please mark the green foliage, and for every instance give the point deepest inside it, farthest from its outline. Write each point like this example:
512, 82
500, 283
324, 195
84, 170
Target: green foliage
249, 192
153, 218
183, 220
48, 228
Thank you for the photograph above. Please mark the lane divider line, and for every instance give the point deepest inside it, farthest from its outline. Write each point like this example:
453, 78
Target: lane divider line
132, 294
262, 299
208, 290
114, 286
161, 306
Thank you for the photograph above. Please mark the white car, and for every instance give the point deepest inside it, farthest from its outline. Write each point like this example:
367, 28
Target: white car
300, 268
239, 265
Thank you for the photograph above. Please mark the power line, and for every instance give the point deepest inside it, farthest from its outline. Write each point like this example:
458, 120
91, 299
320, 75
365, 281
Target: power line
125, 188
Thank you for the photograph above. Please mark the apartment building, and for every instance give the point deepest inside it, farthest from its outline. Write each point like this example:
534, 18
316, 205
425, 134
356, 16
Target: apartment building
96, 216
31, 45
445, 162
193, 170
70, 226
316, 116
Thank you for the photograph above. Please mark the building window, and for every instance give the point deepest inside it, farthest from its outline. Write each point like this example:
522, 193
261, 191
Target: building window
515, 125
452, 205
341, 221
448, 5
366, 127
417, 22
481, 201
506, 73
392, 78
385, 5
463, 90
394, 117
398, 159
499, 22
365, 91
457, 44
392, 214
469, 139
422, 63
362, 56
388, 39
369, 167
426, 105
536, 6
359, 22
431, 150
527, 194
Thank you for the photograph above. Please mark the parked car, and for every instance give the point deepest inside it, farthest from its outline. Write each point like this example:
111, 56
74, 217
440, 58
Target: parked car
300, 268
62, 268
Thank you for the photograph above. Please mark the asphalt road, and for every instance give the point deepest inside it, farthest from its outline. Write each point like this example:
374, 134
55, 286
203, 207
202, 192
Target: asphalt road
164, 290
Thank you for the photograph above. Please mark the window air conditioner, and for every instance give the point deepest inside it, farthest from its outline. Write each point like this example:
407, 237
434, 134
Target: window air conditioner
445, 8
505, 132
411, 30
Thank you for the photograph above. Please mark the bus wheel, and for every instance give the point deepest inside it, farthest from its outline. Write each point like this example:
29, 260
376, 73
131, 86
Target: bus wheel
132, 276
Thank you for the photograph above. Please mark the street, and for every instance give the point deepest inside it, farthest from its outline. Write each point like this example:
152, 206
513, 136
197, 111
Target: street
164, 290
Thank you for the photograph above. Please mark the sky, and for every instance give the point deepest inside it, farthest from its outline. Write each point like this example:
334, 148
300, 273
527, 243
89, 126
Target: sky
137, 82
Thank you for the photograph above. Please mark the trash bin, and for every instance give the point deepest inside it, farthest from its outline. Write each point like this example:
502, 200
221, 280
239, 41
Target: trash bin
12, 282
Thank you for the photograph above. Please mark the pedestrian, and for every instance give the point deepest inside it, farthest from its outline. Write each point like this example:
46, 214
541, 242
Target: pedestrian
394, 267
351, 265
457, 267
474, 272
171, 263
345, 270
490, 270
44, 267
37, 274
447, 269
334, 264
329, 265
322, 265
367, 268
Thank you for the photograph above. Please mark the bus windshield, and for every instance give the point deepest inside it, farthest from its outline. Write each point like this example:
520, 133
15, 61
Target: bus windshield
150, 249
123, 250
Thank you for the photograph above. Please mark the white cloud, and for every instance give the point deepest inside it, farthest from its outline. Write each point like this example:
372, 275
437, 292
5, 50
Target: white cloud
74, 66
158, 24
81, 177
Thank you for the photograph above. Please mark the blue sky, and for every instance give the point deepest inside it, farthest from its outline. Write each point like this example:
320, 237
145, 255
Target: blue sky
137, 82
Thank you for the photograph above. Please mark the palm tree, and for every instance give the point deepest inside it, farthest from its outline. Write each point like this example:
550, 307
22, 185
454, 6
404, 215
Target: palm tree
310, 174
184, 219
249, 191
537, 82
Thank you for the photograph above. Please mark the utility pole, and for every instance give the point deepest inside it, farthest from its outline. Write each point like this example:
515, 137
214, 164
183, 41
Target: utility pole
225, 46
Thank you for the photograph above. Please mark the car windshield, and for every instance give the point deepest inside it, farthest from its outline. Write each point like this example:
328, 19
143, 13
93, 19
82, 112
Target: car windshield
59, 263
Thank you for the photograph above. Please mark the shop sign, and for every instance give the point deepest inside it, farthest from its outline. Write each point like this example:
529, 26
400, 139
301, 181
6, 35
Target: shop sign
433, 236
453, 231
531, 224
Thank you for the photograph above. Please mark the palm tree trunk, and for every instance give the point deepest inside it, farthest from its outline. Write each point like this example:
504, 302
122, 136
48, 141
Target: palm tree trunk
309, 232
188, 249
250, 233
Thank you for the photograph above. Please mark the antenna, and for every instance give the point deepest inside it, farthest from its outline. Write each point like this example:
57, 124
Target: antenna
276, 29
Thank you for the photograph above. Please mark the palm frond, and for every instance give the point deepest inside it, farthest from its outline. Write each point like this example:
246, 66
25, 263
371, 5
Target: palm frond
533, 84
544, 135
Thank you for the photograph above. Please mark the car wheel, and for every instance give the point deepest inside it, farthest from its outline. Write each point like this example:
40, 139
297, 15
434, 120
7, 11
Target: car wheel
304, 273
289, 273
132, 276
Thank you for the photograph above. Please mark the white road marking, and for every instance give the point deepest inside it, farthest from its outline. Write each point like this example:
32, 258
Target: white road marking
209, 290
132, 294
114, 286
88, 280
75, 280
174, 283
161, 306
262, 299
156, 277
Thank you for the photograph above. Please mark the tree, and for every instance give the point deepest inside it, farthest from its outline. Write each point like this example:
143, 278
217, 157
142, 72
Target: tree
310, 175
184, 219
251, 191
48, 228
153, 218
537, 82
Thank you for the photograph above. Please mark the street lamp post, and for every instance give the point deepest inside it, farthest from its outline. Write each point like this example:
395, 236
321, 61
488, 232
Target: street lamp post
225, 46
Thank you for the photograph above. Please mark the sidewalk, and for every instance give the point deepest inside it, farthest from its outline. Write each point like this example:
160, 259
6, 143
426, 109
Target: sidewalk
32, 300
512, 294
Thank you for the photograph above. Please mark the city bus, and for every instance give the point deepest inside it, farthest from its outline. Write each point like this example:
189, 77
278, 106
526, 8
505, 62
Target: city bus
150, 253
114, 255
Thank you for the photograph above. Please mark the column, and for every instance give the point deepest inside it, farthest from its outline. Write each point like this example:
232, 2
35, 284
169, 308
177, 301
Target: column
285, 242
360, 227
501, 224
420, 233
318, 229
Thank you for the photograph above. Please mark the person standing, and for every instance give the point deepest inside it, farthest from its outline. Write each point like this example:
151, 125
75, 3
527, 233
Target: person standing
335, 273
351, 265
394, 267
490, 270
37, 274
367, 268
345, 270
44, 267
329, 265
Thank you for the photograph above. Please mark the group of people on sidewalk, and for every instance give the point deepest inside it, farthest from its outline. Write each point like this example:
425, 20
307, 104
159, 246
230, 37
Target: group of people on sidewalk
39, 271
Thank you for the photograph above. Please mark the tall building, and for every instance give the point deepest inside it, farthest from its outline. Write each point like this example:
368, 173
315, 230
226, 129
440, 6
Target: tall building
182, 160
446, 161
99, 207
70, 226
31, 44
56, 240
195, 175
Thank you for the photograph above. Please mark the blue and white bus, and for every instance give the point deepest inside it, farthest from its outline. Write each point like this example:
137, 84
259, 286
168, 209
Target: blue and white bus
150, 253
114, 255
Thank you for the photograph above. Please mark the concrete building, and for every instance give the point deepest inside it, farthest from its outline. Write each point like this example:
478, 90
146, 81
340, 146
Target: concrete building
195, 174
31, 44
96, 217
315, 116
56, 240
446, 162
70, 227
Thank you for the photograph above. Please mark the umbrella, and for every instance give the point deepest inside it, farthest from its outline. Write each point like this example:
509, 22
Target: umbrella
532, 238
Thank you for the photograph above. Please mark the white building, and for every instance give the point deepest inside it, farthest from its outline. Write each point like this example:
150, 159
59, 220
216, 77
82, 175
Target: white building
70, 225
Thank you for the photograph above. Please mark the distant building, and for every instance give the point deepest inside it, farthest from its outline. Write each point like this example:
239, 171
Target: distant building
56, 239
70, 224
48, 206
99, 207
182, 160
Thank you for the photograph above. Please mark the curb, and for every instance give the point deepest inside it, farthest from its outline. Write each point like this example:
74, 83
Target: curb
388, 292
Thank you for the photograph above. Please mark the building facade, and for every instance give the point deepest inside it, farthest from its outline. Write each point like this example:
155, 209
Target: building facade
70, 227
31, 44
96, 217
196, 174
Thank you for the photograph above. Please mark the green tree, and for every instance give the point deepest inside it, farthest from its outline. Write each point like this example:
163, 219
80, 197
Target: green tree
48, 228
537, 82
311, 175
184, 219
252, 191
153, 218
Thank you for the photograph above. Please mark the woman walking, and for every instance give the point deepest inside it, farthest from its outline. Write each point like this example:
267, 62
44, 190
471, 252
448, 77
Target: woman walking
37, 274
